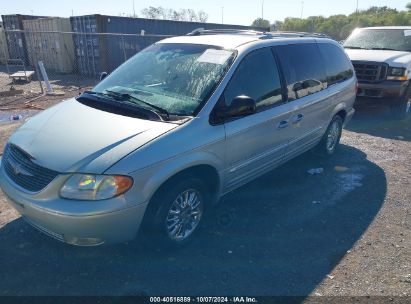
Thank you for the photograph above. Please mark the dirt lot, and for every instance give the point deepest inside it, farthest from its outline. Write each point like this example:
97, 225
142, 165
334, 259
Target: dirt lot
22, 98
346, 231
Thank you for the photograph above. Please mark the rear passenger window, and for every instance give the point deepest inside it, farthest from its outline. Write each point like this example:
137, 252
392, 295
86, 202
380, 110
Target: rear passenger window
337, 64
303, 69
256, 77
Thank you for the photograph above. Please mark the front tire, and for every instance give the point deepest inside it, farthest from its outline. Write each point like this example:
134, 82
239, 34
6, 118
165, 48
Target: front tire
331, 139
402, 108
176, 213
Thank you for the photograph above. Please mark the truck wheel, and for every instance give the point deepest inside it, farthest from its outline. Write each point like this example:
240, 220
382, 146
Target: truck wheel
402, 108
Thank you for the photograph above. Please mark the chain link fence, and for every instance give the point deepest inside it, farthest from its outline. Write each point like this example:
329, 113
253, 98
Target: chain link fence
72, 61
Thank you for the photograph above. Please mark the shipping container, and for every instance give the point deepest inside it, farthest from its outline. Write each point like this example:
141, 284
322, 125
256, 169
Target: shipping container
16, 41
50, 40
89, 47
165, 27
98, 53
4, 52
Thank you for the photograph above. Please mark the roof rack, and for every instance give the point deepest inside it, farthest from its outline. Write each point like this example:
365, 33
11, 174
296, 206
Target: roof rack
202, 31
262, 35
296, 34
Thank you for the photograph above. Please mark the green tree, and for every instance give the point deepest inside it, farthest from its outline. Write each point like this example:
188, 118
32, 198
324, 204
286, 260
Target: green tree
276, 26
185, 14
340, 26
260, 22
408, 6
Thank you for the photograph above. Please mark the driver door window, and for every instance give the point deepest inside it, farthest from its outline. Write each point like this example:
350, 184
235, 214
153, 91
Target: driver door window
256, 77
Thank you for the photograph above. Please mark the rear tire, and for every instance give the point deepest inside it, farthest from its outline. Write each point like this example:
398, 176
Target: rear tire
331, 139
175, 213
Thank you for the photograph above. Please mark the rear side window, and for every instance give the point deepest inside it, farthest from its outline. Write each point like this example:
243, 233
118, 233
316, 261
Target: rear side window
337, 65
257, 77
303, 69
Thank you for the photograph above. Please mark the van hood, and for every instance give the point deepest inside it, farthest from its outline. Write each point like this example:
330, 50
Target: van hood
392, 58
73, 137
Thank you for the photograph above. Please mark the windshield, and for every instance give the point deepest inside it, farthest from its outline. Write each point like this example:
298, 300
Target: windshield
177, 78
386, 39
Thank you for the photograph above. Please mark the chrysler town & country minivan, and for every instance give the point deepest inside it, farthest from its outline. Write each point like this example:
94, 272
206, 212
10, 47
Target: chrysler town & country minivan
173, 129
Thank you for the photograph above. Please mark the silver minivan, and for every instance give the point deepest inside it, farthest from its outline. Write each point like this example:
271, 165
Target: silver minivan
173, 129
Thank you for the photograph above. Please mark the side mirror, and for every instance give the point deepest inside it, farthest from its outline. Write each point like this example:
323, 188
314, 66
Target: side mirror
240, 106
103, 75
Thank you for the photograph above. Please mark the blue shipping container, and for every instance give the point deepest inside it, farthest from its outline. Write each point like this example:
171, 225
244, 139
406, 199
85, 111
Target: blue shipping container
98, 53
16, 42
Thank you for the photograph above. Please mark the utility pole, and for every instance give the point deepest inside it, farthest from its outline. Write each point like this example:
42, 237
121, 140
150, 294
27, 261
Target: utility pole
262, 10
302, 9
222, 15
134, 10
358, 16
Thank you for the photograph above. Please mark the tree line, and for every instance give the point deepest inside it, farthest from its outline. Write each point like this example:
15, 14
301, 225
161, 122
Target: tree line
340, 26
183, 14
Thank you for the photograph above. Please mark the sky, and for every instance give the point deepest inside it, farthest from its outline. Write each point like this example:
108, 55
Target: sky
233, 11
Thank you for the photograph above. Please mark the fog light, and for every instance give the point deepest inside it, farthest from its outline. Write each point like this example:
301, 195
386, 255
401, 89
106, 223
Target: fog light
83, 241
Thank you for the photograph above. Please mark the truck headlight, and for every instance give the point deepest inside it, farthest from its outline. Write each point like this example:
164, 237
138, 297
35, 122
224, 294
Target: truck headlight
397, 74
95, 187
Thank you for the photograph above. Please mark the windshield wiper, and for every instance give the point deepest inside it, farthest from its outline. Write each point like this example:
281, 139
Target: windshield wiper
355, 47
383, 49
129, 97
122, 107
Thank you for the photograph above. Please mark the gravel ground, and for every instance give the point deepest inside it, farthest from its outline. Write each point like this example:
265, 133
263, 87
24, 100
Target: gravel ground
344, 232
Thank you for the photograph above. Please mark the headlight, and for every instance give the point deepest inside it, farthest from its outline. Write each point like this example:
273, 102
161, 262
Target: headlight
397, 74
95, 187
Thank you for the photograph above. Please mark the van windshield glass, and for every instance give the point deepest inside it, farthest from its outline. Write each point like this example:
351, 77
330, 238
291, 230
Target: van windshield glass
178, 78
380, 39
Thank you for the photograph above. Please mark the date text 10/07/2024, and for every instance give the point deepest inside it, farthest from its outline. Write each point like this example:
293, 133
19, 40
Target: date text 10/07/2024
203, 300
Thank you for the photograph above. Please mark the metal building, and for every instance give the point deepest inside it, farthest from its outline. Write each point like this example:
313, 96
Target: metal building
50, 40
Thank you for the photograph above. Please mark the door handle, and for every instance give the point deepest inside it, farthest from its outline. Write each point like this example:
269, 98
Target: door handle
297, 118
282, 124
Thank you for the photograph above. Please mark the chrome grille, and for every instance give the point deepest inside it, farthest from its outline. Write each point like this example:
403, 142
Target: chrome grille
370, 71
20, 168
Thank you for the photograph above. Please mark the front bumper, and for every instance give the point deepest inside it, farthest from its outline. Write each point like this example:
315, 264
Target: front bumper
384, 89
97, 225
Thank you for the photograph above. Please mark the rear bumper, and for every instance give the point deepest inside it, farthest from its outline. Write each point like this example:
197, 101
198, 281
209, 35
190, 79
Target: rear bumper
385, 89
349, 116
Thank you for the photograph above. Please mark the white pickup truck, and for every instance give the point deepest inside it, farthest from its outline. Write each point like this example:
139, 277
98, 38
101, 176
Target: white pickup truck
382, 60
